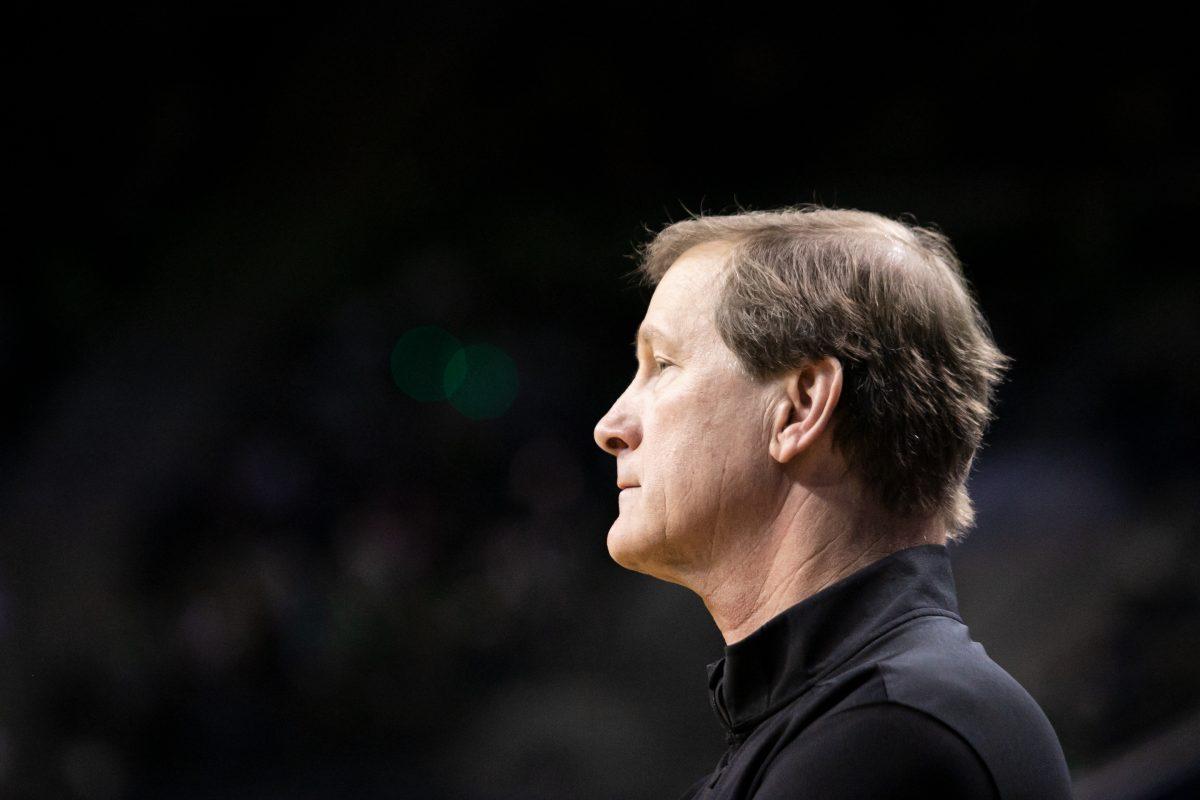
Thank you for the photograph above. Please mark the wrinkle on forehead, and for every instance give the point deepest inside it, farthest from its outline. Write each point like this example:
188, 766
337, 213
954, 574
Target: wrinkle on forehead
685, 298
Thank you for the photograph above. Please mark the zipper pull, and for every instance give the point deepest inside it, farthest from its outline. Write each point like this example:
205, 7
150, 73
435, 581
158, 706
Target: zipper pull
732, 740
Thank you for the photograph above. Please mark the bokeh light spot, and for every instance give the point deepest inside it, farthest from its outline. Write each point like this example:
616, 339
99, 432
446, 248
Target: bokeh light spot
484, 378
419, 363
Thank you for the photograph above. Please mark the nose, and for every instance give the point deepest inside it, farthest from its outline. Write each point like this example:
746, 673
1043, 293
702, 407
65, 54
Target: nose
616, 431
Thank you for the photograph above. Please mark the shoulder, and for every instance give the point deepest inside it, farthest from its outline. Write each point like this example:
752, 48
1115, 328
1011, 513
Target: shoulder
878, 749
936, 667
950, 677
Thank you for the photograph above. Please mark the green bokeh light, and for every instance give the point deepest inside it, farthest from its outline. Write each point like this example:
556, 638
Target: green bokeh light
481, 381
419, 363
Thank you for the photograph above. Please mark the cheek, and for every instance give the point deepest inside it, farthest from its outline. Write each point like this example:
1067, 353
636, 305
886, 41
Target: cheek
687, 475
675, 443
714, 458
694, 438
675, 407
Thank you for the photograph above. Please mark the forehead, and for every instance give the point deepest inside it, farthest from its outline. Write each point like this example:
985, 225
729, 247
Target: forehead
687, 292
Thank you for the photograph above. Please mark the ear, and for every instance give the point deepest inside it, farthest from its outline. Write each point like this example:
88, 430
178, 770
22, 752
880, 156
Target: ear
805, 411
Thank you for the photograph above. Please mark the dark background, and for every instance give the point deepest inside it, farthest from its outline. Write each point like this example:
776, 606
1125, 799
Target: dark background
237, 561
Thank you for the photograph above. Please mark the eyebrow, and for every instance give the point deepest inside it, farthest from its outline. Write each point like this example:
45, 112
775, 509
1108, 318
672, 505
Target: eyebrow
649, 332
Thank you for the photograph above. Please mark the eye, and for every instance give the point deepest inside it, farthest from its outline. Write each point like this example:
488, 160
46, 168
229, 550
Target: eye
662, 364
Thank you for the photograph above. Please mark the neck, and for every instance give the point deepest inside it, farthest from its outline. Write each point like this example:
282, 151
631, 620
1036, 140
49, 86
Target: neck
815, 540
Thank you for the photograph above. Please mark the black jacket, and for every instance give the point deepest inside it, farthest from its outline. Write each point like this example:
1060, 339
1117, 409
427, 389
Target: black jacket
873, 688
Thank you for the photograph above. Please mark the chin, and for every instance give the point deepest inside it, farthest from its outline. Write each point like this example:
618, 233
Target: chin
628, 546
636, 550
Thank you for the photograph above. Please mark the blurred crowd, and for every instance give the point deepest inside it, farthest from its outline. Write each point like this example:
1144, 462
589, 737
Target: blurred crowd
238, 561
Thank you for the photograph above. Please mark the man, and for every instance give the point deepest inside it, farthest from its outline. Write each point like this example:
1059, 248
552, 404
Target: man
812, 387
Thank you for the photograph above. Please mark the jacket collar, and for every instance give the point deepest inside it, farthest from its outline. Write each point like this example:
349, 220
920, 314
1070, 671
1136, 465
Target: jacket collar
796, 648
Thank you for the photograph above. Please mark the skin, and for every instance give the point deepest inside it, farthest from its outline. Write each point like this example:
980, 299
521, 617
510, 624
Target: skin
740, 496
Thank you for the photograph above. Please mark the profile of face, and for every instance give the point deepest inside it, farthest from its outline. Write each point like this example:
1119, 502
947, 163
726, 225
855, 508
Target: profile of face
690, 434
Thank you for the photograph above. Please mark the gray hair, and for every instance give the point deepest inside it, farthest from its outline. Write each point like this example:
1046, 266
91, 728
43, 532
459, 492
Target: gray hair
889, 300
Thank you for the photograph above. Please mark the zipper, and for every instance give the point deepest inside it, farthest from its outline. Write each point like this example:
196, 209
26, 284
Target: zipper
732, 740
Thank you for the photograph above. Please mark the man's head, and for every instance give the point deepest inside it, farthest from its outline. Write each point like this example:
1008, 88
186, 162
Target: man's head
835, 351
